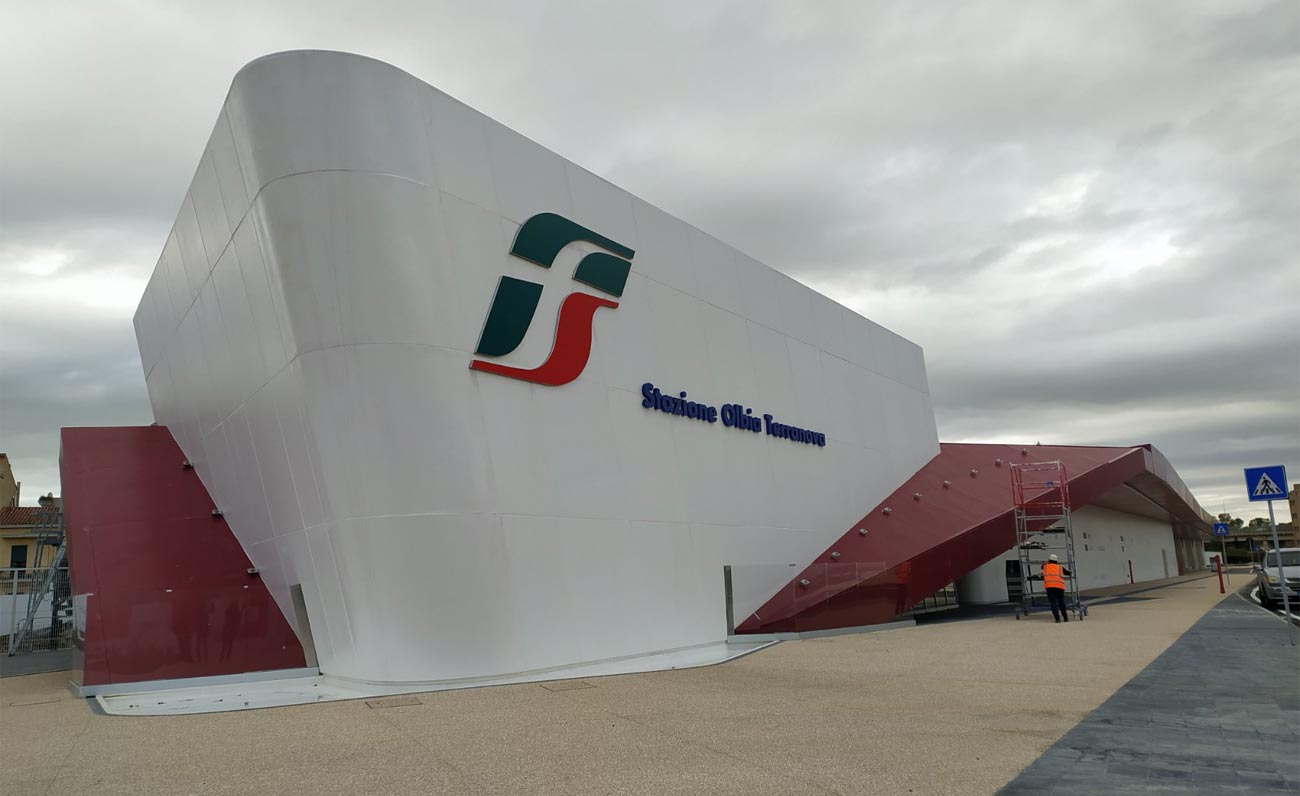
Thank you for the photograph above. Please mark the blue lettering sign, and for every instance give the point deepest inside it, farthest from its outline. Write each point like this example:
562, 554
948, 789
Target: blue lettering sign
652, 398
737, 416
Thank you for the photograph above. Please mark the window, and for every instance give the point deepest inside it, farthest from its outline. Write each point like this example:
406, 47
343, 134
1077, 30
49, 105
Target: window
18, 556
1290, 558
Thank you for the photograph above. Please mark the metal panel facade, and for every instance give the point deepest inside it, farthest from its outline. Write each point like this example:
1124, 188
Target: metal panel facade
308, 335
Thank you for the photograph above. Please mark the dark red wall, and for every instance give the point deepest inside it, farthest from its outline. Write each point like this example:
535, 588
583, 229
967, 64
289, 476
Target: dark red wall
167, 588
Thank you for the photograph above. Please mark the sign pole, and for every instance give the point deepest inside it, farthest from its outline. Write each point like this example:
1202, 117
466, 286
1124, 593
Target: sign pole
1221, 531
1281, 575
1268, 484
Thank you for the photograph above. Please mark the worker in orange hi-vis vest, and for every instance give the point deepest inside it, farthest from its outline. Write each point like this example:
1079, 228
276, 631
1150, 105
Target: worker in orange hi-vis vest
1054, 584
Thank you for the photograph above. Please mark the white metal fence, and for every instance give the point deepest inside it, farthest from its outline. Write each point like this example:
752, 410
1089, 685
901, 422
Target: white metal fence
51, 623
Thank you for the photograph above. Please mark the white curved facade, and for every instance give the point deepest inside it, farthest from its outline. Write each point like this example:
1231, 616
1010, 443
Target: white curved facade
307, 336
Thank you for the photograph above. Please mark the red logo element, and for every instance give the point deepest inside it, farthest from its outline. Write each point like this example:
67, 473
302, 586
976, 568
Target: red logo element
572, 344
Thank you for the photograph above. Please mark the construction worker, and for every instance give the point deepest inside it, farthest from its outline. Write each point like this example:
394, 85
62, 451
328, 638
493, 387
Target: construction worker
1054, 584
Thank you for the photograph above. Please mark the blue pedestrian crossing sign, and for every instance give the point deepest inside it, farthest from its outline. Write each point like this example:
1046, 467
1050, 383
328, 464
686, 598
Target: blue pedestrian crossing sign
1266, 483
1220, 529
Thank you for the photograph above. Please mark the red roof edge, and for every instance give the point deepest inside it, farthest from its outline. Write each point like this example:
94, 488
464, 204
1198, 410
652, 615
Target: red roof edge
952, 516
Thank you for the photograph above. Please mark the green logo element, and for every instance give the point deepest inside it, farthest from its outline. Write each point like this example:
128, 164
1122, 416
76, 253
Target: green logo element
539, 240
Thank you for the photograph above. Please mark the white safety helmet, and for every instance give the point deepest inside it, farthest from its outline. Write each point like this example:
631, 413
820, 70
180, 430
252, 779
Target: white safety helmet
1052, 557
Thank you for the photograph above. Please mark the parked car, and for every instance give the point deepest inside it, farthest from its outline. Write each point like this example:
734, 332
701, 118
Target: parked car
1269, 581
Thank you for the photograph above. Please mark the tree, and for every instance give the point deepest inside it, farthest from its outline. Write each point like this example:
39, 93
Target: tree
1233, 522
1260, 523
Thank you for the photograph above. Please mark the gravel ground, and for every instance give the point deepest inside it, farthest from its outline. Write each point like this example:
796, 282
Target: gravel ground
945, 709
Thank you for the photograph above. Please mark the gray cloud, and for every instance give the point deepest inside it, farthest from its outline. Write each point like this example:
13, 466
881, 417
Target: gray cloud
1086, 213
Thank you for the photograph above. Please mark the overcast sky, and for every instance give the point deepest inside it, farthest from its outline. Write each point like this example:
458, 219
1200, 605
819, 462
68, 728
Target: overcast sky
1088, 214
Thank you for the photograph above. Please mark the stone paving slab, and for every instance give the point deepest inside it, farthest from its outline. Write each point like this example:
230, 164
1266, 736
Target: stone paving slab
1216, 713
37, 663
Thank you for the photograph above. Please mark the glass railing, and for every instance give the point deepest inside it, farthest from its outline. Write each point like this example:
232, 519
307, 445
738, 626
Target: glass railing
775, 598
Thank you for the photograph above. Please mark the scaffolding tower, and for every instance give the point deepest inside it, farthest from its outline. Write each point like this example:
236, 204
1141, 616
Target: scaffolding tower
1042, 507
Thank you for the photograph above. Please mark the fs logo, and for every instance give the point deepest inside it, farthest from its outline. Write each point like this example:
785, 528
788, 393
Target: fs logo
539, 240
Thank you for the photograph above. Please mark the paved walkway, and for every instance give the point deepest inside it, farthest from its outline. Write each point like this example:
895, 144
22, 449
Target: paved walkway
1091, 597
956, 709
1218, 712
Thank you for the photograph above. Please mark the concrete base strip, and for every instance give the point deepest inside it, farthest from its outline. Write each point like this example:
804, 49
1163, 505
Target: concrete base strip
279, 692
150, 686
835, 631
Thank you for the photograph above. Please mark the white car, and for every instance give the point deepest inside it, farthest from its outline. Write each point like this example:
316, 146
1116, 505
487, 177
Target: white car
1269, 580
